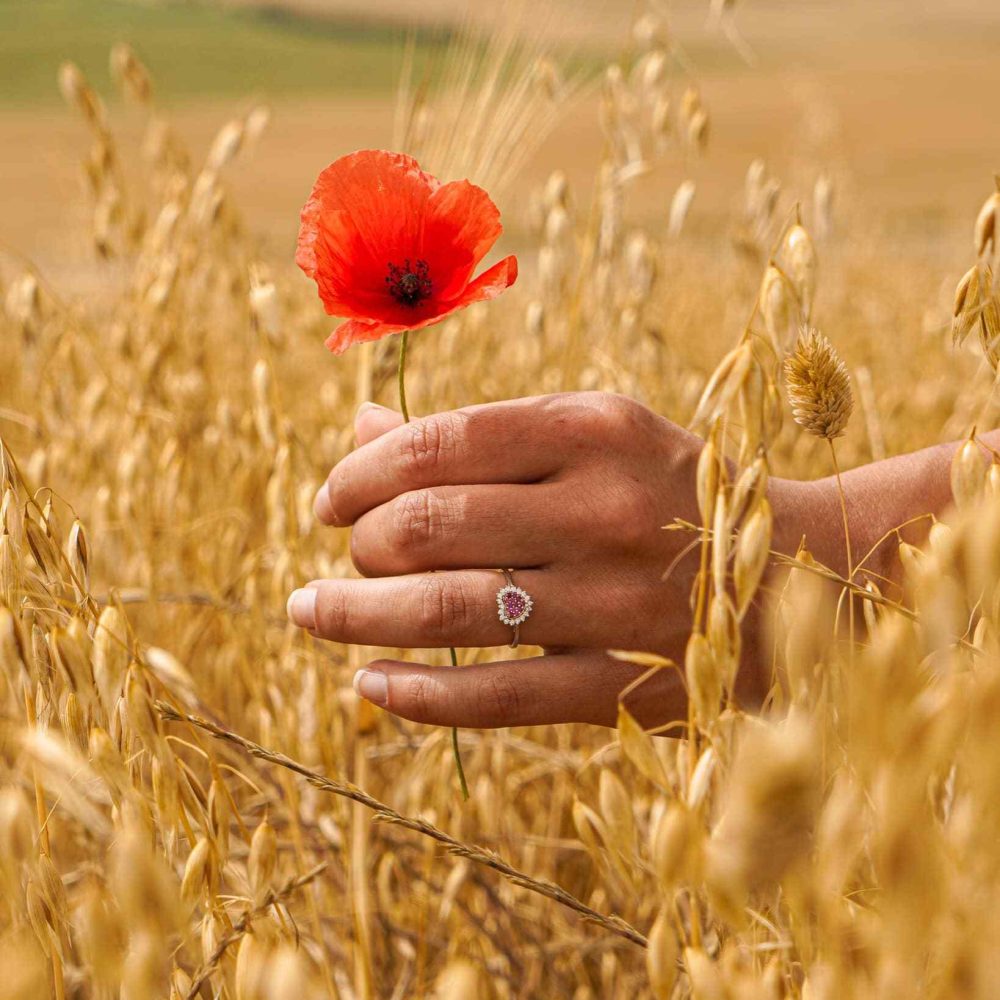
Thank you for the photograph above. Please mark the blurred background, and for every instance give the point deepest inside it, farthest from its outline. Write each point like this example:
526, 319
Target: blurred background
669, 176
890, 97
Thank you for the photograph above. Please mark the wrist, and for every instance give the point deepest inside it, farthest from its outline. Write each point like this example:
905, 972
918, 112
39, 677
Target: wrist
812, 513
809, 513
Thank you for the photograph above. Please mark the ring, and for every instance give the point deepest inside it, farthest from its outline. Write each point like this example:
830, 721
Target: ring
513, 606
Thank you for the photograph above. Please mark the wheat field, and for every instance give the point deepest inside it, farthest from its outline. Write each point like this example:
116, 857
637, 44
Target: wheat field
193, 802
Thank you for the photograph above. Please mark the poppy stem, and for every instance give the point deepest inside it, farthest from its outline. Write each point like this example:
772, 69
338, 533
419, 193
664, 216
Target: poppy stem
401, 379
401, 376
455, 752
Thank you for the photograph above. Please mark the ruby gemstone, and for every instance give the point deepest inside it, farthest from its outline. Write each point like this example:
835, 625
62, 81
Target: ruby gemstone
513, 604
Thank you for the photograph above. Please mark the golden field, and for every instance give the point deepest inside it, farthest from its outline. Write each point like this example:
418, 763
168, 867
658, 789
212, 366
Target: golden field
193, 803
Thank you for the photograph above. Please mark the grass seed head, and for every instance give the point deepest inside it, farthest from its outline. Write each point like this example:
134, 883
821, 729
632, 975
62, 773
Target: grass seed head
680, 206
661, 956
818, 386
968, 473
263, 858
778, 307
985, 233
752, 555
799, 258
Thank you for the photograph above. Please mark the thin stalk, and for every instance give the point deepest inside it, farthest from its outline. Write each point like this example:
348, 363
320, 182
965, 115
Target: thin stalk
386, 814
456, 753
847, 541
58, 986
243, 924
401, 376
404, 409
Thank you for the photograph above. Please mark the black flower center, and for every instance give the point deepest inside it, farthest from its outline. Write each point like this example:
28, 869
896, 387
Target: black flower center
409, 284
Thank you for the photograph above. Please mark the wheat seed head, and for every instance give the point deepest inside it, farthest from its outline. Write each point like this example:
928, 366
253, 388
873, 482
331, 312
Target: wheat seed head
818, 386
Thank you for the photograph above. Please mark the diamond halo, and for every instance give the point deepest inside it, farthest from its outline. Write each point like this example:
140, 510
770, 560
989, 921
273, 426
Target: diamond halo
513, 605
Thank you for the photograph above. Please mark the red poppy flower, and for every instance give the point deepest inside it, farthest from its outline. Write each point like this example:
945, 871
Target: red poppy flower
391, 248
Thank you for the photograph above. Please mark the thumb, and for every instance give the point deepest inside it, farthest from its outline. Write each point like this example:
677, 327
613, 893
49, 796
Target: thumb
372, 421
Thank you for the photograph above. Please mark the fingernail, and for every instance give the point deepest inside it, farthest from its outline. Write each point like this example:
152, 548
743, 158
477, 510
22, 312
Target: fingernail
301, 608
373, 686
368, 405
322, 507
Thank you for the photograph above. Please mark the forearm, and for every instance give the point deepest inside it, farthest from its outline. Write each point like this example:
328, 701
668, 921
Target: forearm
886, 501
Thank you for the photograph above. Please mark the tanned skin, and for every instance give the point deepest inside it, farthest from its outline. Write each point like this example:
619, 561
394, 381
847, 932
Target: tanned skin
571, 492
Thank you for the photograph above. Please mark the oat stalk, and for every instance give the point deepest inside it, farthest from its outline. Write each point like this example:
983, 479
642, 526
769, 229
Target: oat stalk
479, 855
243, 923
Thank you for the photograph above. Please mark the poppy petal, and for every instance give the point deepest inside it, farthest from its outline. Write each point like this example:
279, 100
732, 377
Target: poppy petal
462, 225
488, 285
366, 210
358, 331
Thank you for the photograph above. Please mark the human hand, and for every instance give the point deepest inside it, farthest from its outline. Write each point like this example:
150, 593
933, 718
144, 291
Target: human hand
571, 492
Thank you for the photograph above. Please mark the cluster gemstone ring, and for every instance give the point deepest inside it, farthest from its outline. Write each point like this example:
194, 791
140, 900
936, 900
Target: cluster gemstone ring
513, 606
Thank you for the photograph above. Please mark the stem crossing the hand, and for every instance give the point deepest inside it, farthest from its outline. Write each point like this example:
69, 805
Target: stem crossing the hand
401, 379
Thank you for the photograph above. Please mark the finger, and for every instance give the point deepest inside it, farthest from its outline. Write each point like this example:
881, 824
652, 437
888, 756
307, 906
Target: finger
454, 608
372, 421
577, 686
495, 443
460, 527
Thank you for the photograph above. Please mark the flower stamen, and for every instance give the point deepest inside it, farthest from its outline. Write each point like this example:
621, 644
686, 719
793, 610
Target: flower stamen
409, 285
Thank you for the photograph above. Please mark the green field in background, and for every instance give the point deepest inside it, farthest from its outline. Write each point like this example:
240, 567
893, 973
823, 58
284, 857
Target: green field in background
195, 49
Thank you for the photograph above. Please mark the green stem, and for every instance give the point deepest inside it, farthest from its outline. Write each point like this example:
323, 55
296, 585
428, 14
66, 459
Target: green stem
456, 753
404, 409
400, 374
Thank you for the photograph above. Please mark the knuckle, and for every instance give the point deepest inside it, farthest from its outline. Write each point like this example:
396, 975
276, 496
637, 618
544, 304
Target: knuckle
600, 418
498, 696
620, 414
444, 608
332, 612
420, 696
414, 521
431, 443
587, 410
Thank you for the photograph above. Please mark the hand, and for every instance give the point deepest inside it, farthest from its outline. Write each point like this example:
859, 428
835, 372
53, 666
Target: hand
571, 492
